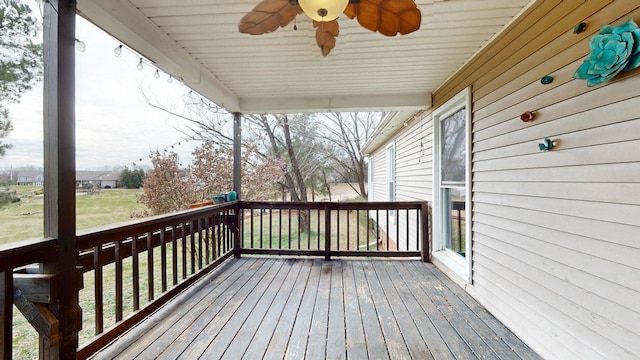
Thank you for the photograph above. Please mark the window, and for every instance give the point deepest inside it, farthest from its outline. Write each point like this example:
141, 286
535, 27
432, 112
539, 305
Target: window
452, 225
391, 175
391, 172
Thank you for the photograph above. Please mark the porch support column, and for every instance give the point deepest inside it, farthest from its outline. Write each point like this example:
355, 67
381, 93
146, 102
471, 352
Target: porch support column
237, 153
237, 180
59, 165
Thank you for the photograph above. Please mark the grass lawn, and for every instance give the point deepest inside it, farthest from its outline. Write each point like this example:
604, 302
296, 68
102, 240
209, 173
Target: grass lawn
25, 219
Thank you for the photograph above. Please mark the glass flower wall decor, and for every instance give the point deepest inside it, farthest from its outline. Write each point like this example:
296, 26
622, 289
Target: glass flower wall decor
615, 49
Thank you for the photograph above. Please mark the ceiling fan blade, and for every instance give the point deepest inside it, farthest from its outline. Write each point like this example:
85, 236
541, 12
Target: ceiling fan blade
268, 16
326, 34
388, 17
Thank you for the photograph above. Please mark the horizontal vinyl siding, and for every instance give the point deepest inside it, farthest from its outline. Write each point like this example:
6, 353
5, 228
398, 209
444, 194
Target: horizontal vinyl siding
413, 177
414, 173
556, 235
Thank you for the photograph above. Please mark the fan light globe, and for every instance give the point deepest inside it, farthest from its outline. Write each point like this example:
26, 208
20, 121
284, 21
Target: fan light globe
323, 10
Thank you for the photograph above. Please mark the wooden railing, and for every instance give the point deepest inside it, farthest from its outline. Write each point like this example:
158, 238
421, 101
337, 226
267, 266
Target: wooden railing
13, 258
130, 270
160, 256
398, 229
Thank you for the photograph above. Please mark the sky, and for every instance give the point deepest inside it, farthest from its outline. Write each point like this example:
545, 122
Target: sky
115, 127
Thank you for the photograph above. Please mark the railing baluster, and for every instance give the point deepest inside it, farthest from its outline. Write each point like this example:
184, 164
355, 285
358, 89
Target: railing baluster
358, 227
97, 292
308, 225
318, 242
118, 261
174, 255
150, 266
250, 231
136, 272
279, 228
6, 314
183, 233
270, 228
369, 227
192, 243
327, 232
200, 242
338, 228
407, 226
289, 231
398, 229
261, 228
207, 240
163, 260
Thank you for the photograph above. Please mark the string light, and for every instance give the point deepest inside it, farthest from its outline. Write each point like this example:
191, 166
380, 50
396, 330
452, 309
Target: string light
170, 79
163, 151
118, 51
157, 74
139, 67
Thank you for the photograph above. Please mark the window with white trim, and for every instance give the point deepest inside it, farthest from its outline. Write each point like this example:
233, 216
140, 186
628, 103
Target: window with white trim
391, 172
452, 225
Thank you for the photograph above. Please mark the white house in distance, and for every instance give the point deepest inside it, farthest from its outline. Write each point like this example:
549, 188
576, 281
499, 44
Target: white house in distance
547, 239
101, 179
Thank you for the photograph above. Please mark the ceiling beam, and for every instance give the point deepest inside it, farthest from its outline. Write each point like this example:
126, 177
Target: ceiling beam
405, 102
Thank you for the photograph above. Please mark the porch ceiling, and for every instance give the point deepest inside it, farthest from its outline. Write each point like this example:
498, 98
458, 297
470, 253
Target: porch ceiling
283, 71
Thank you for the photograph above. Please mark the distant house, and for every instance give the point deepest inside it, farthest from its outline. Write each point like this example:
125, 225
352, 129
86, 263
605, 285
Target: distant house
101, 179
30, 178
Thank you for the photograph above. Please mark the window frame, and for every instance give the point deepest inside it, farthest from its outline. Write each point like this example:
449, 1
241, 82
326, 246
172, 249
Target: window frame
461, 266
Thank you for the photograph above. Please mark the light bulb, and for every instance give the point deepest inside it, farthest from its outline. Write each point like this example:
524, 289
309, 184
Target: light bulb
323, 10
157, 74
170, 79
139, 67
80, 45
117, 51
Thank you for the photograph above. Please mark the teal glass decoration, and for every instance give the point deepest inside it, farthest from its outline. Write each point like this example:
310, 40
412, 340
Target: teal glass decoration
546, 80
615, 49
548, 145
579, 28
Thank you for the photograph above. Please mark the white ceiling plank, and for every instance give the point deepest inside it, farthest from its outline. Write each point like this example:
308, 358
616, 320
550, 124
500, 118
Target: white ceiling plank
283, 71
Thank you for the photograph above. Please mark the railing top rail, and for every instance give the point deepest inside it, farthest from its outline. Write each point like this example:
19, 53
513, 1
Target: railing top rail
26, 252
93, 237
371, 205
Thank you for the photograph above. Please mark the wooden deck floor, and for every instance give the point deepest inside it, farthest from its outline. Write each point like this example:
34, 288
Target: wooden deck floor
276, 308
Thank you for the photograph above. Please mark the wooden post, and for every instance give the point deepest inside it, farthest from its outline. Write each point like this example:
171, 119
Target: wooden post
327, 232
59, 165
237, 180
426, 232
6, 314
237, 154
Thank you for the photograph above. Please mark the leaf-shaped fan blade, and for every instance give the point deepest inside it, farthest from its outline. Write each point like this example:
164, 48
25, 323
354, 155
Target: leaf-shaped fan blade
268, 16
389, 17
326, 34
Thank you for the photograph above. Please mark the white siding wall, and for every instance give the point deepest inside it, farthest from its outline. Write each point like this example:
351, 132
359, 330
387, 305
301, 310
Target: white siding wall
413, 178
556, 235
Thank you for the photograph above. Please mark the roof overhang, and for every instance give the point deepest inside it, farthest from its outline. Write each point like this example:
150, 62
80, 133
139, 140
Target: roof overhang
283, 71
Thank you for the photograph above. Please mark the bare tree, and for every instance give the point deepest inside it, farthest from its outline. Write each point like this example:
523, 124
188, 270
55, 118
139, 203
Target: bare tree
346, 134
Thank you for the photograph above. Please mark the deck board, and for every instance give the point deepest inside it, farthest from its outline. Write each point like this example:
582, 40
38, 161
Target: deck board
275, 308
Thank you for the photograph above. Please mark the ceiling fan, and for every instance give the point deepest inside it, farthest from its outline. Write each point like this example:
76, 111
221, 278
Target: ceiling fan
388, 17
